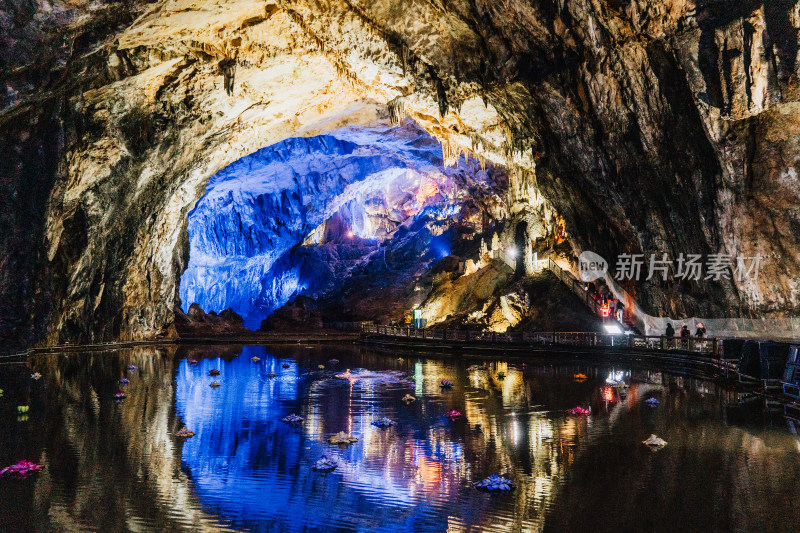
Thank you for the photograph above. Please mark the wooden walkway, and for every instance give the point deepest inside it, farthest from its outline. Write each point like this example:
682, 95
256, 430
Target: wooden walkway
701, 353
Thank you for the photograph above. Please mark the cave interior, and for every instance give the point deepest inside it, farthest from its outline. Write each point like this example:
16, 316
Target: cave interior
162, 154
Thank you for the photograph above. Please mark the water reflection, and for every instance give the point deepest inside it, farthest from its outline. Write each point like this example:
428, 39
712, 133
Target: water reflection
119, 466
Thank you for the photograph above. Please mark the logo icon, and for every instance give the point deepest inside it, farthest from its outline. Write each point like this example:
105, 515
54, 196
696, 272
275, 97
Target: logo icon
591, 266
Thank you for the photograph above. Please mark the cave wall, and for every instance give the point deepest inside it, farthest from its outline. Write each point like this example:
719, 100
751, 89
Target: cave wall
651, 126
650, 123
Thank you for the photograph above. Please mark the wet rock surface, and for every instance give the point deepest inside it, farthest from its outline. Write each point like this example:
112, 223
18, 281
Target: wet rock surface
668, 126
197, 322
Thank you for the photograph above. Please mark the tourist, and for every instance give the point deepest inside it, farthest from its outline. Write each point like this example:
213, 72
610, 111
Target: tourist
620, 311
670, 333
685, 331
701, 330
611, 306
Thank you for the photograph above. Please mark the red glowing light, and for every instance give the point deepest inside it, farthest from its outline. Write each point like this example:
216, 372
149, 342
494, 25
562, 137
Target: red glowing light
608, 394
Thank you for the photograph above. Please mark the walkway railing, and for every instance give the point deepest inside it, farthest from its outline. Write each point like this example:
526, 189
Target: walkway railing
698, 345
579, 289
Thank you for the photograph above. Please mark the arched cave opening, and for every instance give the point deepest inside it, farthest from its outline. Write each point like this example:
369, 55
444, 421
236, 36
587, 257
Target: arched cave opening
354, 222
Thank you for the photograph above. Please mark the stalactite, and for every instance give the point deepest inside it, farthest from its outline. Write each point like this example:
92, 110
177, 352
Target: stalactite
397, 109
451, 152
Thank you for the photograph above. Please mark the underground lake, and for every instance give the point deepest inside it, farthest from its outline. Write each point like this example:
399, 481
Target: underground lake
115, 462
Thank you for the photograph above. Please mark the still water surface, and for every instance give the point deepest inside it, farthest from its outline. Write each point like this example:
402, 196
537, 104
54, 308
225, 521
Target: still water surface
118, 466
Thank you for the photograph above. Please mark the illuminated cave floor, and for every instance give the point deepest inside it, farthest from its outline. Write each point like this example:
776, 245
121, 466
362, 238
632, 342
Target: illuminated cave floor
112, 466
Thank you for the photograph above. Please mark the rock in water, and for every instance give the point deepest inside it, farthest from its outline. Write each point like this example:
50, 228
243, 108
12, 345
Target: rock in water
495, 483
342, 439
184, 433
578, 410
324, 465
654, 441
408, 398
292, 419
383, 423
21, 469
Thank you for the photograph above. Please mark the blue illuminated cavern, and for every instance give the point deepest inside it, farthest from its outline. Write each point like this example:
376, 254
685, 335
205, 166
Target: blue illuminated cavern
294, 218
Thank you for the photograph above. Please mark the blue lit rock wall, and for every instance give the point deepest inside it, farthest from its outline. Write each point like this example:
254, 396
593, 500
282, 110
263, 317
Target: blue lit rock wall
350, 187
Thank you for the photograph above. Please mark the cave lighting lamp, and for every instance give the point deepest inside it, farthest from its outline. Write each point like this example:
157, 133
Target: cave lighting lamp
512, 252
613, 329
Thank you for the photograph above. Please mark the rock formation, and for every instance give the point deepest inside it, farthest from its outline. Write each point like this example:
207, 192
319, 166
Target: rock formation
652, 126
198, 323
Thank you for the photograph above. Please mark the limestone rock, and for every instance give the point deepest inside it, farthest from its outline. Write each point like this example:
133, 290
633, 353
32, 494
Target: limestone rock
661, 126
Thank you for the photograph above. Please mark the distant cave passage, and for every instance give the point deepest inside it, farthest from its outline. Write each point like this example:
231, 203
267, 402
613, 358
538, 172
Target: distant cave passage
295, 217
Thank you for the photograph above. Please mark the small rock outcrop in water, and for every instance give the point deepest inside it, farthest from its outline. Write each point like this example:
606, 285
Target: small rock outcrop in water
578, 411
384, 423
408, 398
495, 483
654, 441
292, 419
324, 465
342, 439
21, 469
185, 433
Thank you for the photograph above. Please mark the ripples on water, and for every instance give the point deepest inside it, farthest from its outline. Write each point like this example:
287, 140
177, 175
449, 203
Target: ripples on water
119, 467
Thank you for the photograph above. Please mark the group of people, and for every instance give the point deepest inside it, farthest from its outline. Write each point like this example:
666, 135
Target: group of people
616, 309
685, 332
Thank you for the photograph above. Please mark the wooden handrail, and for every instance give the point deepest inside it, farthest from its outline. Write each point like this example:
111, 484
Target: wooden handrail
700, 345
